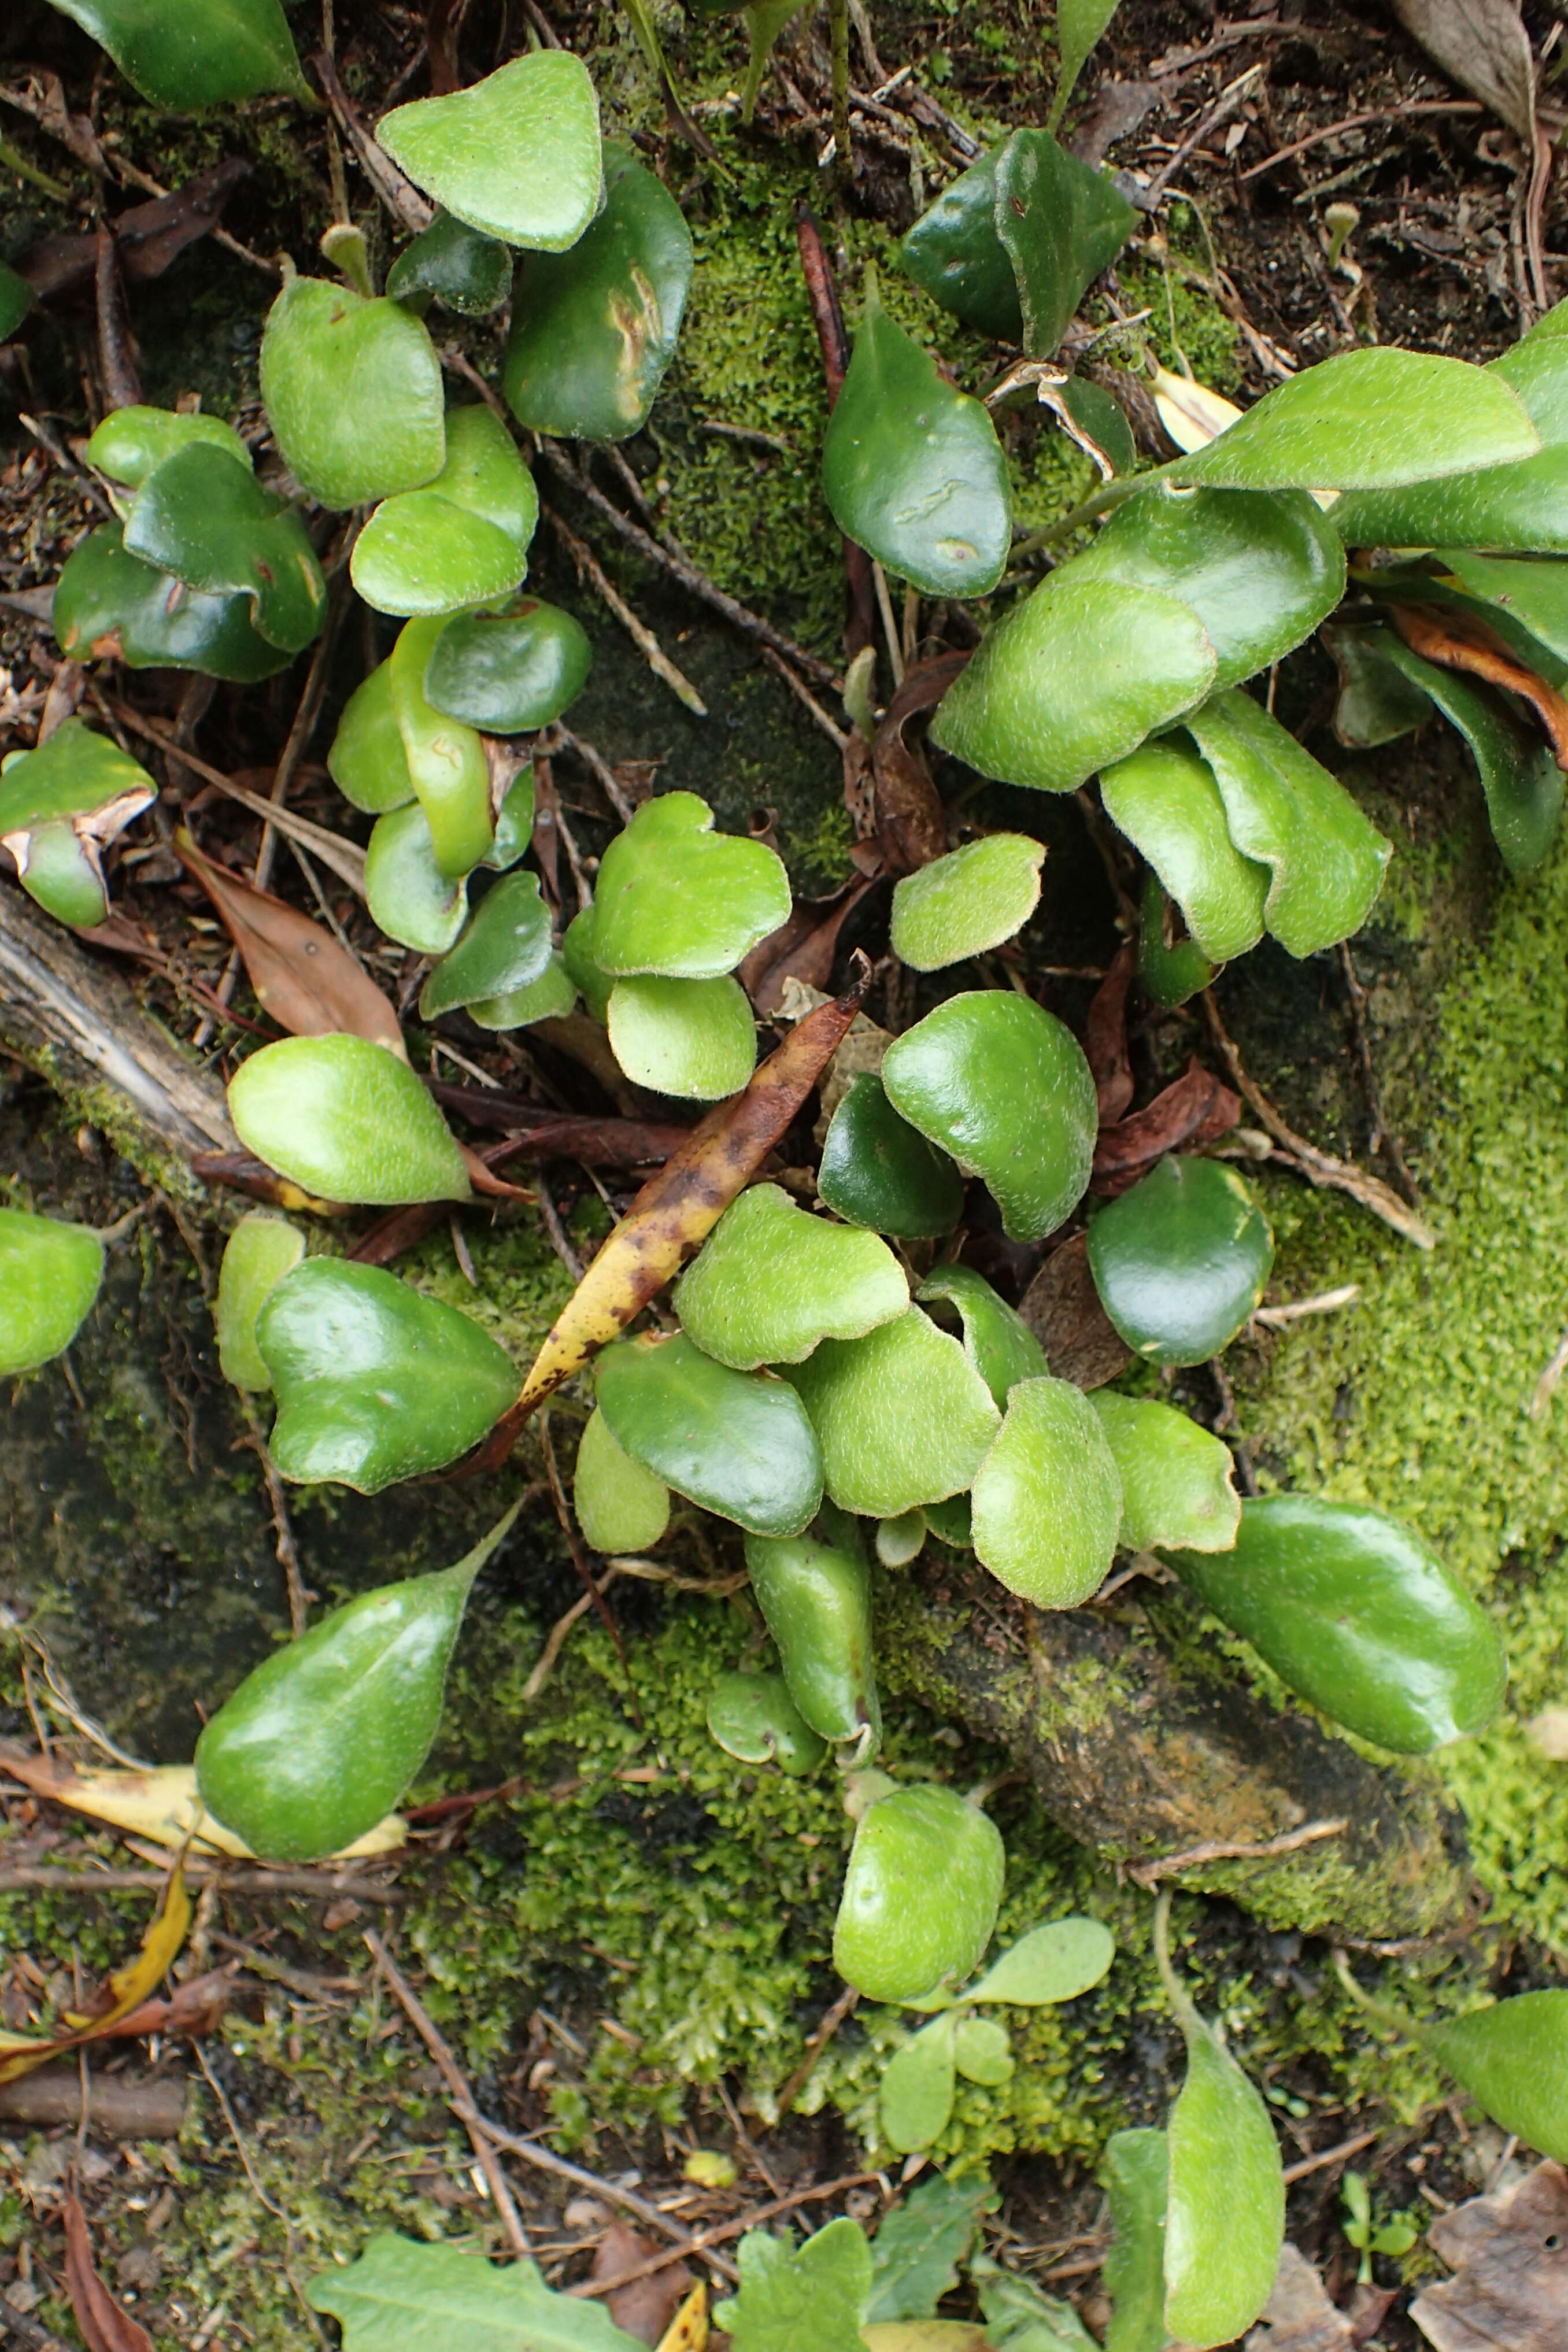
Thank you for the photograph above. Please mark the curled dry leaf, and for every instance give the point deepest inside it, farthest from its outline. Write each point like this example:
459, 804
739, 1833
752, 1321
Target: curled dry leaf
647, 2307
105, 2326
1455, 641
1062, 1308
802, 949
1195, 1109
912, 824
1482, 45
120, 1995
309, 985
1297, 2316
147, 237
1105, 1035
1509, 2256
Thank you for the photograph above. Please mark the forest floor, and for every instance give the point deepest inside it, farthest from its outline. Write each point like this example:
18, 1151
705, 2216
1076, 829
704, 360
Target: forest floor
627, 1946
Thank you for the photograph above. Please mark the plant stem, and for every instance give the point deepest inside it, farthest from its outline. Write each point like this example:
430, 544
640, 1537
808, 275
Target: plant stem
1395, 2020
1181, 2002
1099, 502
838, 43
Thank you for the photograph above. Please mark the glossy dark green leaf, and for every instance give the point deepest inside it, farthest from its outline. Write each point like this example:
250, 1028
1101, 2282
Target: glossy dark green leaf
190, 54
914, 2100
770, 1280
347, 1120
1519, 775
678, 899
210, 523
505, 946
375, 1381
367, 761
1170, 967
968, 902
111, 607
1075, 677
902, 1416
408, 896
507, 672
954, 252
1176, 1477
1512, 2058
15, 302
912, 469
1369, 419
514, 824
353, 389
754, 1719
695, 1039
1164, 797
593, 330
996, 1339
516, 156
983, 2051
880, 1171
1100, 416
620, 1506
1377, 704
921, 1895
463, 539
544, 999
1288, 813
320, 1740
1260, 569
817, 1603
1181, 1260
1060, 223
1052, 1963
49, 1276
131, 442
1046, 1500
737, 1442
1003, 1086
453, 265
259, 1252
1353, 1612
447, 763
1137, 2181
60, 805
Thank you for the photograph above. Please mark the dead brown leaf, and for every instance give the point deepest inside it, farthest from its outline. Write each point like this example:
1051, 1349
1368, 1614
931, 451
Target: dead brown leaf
1455, 641
1062, 1308
912, 824
1509, 2255
147, 237
105, 2327
802, 949
1105, 1035
1482, 45
647, 2307
309, 983
1195, 1109
1297, 2316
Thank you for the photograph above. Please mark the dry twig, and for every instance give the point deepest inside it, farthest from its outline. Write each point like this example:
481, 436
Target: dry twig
1149, 1874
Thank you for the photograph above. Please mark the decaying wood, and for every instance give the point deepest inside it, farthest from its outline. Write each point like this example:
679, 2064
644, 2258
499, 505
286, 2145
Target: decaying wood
116, 2108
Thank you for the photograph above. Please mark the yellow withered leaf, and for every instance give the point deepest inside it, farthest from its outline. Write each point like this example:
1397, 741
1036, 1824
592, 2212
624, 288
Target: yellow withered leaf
688, 2331
924, 2336
162, 1804
126, 1989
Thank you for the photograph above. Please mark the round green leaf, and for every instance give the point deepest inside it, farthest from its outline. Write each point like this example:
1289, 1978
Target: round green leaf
1075, 677
187, 56
736, 1443
453, 265
912, 469
507, 672
110, 605
1288, 813
817, 1603
258, 1255
902, 1416
997, 1340
210, 523
408, 896
914, 2101
1001, 1085
676, 899
1369, 419
1165, 800
1060, 223
131, 442
1512, 2058
1355, 1614
967, 902
1177, 1478
319, 1741
15, 302
693, 1038
1180, 1262
462, 539
50, 1275
515, 155
595, 987
514, 824
375, 1381
921, 1895
505, 948
901, 1539
754, 1719
1259, 569
544, 999
353, 389
880, 1171
772, 1280
1055, 1962
367, 761
447, 763
347, 1120
620, 1506
983, 2051
954, 253
593, 330
1046, 1500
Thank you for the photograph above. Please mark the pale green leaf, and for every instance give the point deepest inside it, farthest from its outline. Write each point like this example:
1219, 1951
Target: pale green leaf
916, 2251
403, 2297
808, 2299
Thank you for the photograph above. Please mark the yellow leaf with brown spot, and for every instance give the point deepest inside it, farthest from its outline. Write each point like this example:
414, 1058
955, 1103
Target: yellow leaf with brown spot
688, 2331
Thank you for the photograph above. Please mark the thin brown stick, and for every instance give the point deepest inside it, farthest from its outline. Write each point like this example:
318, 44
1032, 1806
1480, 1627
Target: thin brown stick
1226, 105
401, 198
831, 2021
1325, 2157
59, 1877
599, 768
116, 349
833, 341
555, 1640
1356, 122
307, 711
1321, 1168
460, 2096
559, 1241
299, 1594
705, 2239
592, 574
1149, 1874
